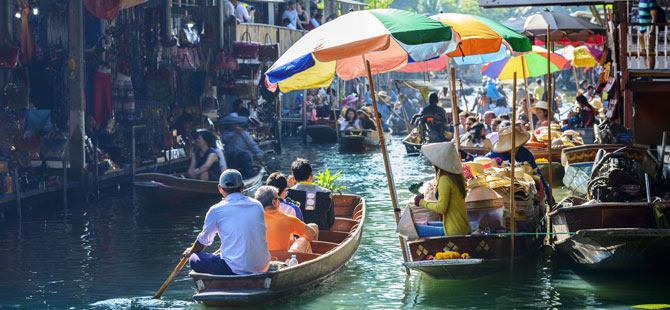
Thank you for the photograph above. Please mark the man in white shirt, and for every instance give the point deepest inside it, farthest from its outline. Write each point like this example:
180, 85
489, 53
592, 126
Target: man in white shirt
291, 13
241, 13
228, 9
240, 223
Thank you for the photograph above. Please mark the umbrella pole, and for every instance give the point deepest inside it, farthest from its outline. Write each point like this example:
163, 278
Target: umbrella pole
525, 86
574, 71
454, 110
513, 164
385, 156
550, 100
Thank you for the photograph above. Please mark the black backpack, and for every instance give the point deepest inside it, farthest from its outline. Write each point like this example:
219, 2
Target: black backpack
661, 17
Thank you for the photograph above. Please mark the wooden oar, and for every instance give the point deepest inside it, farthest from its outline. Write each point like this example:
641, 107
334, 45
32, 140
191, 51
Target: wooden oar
173, 275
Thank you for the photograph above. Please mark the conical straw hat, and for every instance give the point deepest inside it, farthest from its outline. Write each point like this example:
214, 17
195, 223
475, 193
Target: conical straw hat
444, 156
504, 143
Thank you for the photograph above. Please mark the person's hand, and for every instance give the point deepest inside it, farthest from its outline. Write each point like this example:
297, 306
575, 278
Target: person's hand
417, 199
187, 253
259, 158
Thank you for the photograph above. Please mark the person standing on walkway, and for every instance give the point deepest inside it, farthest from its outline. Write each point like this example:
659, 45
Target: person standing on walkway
648, 11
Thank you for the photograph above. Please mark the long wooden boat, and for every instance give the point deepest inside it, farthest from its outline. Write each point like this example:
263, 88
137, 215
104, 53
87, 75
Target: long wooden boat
362, 139
611, 235
414, 148
544, 154
175, 189
578, 161
490, 253
323, 131
334, 248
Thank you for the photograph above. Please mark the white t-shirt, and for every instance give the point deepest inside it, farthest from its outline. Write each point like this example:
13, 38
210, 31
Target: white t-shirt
314, 22
292, 17
240, 223
242, 14
228, 8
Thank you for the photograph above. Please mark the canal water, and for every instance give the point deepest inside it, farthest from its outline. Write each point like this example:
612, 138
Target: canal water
115, 254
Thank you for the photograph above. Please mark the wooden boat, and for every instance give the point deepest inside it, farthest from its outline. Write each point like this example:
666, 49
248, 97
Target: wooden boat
175, 189
611, 235
577, 162
490, 253
361, 139
544, 154
414, 148
334, 248
323, 131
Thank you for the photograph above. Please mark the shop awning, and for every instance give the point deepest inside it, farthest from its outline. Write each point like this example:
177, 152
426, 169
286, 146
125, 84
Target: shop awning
108, 9
352, 2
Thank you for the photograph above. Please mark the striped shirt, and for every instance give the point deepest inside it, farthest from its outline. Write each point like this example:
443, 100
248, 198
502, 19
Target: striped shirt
644, 12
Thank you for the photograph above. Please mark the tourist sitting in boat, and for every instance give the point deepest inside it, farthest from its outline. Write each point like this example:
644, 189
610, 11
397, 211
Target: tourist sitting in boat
349, 102
286, 206
281, 227
476, 137
383, 108
364, 120
239, 145
438, 124
450, 189
206, 160
316, 203
241, 221
350, 121
587, 113
489, 116
322, 110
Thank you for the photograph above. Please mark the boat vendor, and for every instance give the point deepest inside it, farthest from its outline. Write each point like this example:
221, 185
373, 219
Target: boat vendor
350, 120
502, 149
286, 206
241, 221
476, 137
207, 160
541, 111
364, 120
450, 188
439, 124
587, 113
316, 203
239, 145
281, 227
383, 108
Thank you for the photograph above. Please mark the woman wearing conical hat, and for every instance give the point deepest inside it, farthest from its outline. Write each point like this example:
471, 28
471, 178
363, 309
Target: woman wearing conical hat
450, 188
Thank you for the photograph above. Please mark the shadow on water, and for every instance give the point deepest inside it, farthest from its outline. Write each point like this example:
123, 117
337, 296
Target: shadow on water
116, 252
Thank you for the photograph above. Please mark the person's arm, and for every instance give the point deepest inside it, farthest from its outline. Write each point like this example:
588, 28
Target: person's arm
211, 159
197, 248
253, 146
443, 193
206, 236
654, 17
191, 169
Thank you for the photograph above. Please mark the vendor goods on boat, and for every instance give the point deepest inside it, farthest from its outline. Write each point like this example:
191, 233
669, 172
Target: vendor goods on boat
322, 131
538, 144
487, 249
612, 235
177, 189
414, 149
333, 249
578, 163
361, 139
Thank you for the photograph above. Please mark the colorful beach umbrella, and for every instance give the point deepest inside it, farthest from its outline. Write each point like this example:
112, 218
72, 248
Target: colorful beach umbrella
388, 38
561, 26
582, 56
535, 65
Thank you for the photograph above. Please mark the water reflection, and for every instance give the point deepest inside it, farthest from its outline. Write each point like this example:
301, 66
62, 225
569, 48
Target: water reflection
114, 253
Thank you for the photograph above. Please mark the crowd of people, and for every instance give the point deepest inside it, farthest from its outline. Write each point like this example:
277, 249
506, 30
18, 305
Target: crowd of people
284, 215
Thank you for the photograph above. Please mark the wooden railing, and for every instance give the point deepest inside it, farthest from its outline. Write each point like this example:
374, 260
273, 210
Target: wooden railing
636, 53
263, 33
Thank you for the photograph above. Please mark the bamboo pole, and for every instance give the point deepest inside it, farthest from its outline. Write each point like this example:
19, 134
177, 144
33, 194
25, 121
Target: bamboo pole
385, 157
525, 86
574, 71
512, 161
550, 100
454, 109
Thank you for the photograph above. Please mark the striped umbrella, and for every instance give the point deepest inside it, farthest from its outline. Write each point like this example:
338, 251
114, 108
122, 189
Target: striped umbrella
388, 38
533, 64
582, 56
480, 40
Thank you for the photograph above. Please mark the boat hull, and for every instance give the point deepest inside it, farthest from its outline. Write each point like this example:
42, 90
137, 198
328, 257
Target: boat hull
334, 249
610, 235
322, 133
414, 148
168, 189
362, 139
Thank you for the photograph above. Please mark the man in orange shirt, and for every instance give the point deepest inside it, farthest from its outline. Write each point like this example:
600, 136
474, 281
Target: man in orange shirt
281, 227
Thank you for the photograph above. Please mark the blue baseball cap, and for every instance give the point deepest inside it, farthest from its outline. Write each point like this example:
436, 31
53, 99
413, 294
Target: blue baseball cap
230, 179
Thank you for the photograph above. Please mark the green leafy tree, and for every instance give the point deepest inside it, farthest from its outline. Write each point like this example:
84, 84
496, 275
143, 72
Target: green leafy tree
378, 4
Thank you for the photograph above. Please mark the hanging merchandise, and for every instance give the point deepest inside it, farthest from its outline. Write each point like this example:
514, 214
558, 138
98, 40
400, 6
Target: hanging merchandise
189, 36
226, 84
15, 93
268, 51
225, 60
209, 105
247, 70
123, 97
159, 86
102, 96
185, 58
246, 49
109, 9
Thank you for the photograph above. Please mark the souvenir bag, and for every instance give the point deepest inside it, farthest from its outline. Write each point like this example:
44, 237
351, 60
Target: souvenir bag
247, 70
14, 94
246, 49
225, 60
9, 55
268, 51
226, 84
185, 59
246, 89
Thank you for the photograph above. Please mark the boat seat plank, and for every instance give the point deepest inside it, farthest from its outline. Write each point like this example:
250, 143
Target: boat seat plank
343, 224
322, 247
332, 236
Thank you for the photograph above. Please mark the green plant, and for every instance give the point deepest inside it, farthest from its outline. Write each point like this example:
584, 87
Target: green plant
329, 181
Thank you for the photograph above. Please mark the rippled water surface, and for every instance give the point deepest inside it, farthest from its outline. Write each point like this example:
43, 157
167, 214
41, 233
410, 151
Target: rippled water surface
115, 253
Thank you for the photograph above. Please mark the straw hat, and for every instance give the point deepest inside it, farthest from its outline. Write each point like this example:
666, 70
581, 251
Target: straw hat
383, 96
349, 99
540, 105
504, 143
596, 103
475, 168
362, 111
487, 164
444, 156
481, 193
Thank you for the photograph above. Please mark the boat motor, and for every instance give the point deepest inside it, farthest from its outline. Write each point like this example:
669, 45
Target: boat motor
616, 178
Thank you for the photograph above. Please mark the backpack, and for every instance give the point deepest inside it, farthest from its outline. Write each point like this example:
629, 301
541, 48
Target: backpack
661, 17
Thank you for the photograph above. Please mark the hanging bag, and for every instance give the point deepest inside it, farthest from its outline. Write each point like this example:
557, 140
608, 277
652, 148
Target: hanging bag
246, 49
9, 55
226, 84
268, 51
225, 60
